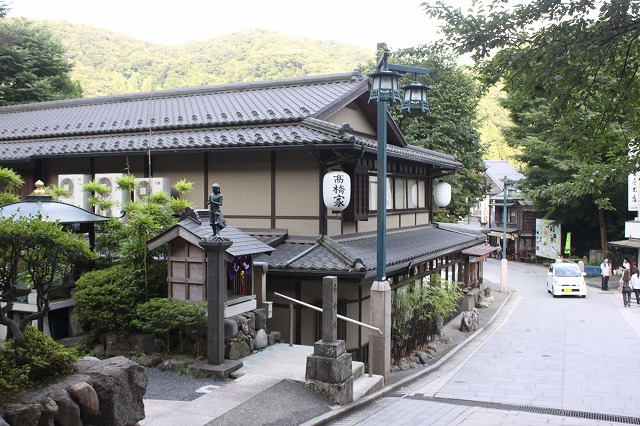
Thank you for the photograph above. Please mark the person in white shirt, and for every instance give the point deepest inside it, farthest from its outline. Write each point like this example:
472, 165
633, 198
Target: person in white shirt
635, 284
625, 264
605, 272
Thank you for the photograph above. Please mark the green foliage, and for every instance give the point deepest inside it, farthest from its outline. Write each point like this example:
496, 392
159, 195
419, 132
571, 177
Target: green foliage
9, 182
571, 73
33, 66
108, 63
165, 318
100, 196
451, 125
416, 310
35, 360
57, 191
43, 255
106, 300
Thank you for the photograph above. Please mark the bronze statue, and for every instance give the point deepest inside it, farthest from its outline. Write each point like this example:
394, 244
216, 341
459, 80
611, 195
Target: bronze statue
216, 217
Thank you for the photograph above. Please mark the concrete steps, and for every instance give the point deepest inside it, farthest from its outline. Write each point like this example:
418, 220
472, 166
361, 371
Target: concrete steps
363, 384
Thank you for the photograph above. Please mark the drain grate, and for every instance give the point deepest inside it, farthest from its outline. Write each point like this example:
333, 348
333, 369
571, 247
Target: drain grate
525, 408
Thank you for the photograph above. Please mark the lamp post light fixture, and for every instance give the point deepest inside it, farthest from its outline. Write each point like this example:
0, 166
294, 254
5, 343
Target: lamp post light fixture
384, 88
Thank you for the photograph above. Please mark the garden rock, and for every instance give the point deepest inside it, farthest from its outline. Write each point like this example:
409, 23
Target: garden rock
261, 318
469, 320
86, 397
120, 384
243, 324
68, 411
239, 350
176, 363
230, 328
22, 414
48, 413
261, 340
251, 321
423, 357
149, 360
117, 345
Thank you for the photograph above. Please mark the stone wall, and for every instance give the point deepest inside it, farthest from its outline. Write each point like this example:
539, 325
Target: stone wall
247, 333
100, 393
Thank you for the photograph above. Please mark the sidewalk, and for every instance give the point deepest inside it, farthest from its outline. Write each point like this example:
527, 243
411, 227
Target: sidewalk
271, 389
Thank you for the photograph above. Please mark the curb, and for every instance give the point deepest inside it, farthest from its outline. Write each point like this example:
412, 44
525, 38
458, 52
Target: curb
351, 407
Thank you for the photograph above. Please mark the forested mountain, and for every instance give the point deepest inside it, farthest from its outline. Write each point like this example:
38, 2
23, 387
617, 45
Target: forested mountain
109, 63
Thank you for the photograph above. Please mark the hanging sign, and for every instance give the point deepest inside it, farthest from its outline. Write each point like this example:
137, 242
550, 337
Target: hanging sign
634, 203
336, 190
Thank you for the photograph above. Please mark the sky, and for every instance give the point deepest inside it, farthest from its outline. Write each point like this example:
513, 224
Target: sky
399, 23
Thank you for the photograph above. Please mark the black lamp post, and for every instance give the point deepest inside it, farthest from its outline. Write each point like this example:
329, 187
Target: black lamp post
384, 88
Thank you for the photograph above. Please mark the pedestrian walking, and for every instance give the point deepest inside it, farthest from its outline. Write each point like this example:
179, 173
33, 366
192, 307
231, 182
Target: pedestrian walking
605, 272
625, 264
626, 288
635, 284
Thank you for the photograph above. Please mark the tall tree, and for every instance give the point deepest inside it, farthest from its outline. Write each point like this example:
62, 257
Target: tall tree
571, 71
33, 65
451, 126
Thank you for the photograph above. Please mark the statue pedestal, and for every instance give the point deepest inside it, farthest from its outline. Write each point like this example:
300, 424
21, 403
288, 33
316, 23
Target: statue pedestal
216, 295
329, 371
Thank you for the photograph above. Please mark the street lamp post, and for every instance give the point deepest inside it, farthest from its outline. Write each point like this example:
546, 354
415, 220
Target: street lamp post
503, 275
504, 219
384, 88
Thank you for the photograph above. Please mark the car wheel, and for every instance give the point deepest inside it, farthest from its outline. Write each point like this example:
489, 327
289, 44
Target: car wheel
584, 295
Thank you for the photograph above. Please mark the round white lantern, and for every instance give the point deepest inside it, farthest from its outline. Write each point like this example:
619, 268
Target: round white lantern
442, 193
336, 190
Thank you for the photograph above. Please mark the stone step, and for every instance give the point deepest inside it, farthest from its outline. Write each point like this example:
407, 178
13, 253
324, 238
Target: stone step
365, 385
357, 368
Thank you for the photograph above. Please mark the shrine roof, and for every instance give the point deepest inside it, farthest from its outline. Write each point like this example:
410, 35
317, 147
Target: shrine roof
357, 254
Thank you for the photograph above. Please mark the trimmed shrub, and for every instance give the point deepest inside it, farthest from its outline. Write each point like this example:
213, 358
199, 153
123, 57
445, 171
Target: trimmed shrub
106, 300
37, 360
170, 318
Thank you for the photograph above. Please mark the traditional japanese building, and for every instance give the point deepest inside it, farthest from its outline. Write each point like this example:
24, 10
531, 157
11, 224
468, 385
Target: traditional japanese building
268, 145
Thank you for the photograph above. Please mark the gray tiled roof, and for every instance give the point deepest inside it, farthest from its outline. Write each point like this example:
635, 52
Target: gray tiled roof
243, 243
357, 253
223, 105
288, 112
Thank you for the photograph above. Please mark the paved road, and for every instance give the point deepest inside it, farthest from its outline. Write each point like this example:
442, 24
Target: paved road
543, 360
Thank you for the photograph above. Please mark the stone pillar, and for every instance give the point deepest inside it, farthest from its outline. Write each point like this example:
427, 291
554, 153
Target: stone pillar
216, 296
328, 370
215, 365
503, 276
380, 317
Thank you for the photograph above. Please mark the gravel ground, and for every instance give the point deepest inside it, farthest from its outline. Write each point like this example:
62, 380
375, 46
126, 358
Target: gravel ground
172, 386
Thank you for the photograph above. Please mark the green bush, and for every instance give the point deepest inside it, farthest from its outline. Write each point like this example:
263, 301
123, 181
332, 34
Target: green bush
416, 310
37, 360
106, 300
168, 318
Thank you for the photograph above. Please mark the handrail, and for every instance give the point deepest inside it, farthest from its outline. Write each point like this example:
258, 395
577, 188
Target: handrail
361, 324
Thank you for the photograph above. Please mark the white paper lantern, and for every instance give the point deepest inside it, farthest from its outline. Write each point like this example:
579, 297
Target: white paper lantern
442, 194
336, 190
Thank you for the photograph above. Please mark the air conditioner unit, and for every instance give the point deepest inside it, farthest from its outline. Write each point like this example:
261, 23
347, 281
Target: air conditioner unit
77, 196
115, 194
148, 186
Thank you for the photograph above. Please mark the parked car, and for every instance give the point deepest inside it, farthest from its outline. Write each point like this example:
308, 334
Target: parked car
566, 279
